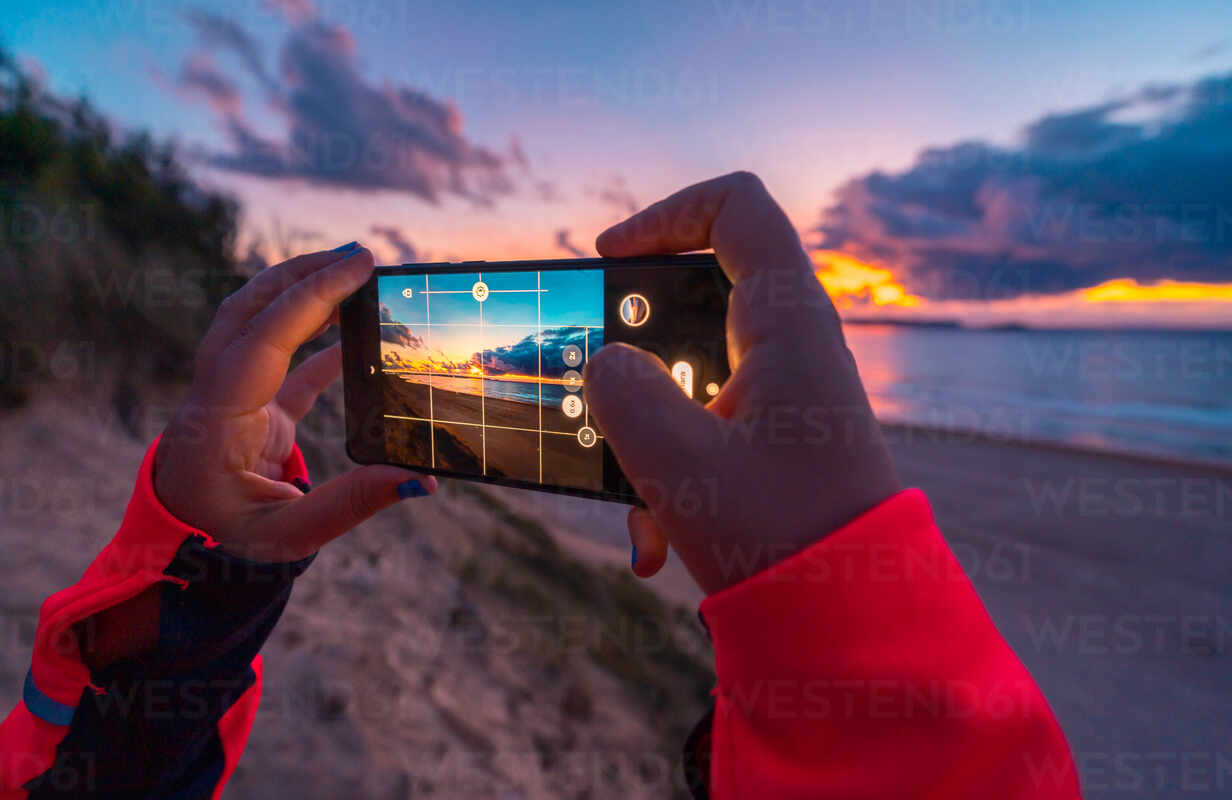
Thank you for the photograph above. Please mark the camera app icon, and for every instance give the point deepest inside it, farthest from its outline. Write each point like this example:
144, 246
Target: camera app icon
634, 310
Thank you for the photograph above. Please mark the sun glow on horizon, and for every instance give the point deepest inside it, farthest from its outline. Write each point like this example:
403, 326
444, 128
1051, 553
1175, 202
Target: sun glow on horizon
851, 282
854, 284
1128, 290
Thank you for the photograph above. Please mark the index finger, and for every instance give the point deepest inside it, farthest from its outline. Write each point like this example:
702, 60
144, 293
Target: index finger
734, 214
261, 290
776, 297
252, 368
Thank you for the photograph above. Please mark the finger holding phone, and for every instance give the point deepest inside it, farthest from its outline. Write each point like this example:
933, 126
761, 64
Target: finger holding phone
220, 461
789, 450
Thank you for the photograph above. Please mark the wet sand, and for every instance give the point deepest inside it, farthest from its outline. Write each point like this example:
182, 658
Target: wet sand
510, 448
1107, 574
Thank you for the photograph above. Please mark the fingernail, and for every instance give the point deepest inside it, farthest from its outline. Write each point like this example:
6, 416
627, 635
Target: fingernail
344, 247
412, 488
633, 561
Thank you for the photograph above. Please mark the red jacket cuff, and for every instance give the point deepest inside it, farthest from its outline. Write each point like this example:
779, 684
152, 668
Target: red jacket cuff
146, 542
867, 665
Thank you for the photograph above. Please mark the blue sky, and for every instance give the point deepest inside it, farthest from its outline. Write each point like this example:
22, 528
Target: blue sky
520, 304
612, 105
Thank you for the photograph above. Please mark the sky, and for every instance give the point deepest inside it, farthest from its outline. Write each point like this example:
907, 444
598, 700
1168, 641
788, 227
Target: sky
1030, 161
441, 326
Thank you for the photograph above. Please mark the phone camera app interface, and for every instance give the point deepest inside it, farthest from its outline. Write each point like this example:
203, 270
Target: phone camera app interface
634, 310
482, 373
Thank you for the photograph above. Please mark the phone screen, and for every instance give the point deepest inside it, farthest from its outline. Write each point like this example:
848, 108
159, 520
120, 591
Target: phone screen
479, 373
483, 373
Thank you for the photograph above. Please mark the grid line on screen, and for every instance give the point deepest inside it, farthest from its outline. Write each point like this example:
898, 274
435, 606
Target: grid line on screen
490, 291
500, 382
469, 325
483, 417
539, 341
585, 359
477, 425
431, 425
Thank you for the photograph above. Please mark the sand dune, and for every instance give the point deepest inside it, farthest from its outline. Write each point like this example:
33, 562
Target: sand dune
468, 645
507, 446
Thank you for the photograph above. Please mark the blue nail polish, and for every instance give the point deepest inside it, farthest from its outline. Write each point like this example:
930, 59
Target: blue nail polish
345, 247
633, 562
411, 489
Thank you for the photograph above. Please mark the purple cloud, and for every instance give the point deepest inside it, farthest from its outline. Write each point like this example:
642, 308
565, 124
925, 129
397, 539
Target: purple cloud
219, 32
547, 191
565, 243
341, 130
201, 76
398, 334
406, 252
616, 193
1140, 187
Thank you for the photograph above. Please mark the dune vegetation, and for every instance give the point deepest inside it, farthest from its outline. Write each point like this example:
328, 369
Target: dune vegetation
494, 660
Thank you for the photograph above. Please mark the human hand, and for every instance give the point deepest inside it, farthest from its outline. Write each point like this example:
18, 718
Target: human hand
789, 449
219, 465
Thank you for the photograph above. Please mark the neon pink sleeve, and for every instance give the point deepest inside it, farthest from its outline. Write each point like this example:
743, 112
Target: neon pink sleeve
866, 666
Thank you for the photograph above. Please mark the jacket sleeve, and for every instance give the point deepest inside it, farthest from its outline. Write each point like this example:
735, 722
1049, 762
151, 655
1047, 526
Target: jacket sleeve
171, 723
866, 666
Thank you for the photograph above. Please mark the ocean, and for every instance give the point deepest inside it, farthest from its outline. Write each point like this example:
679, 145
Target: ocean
1161, 393
508, 390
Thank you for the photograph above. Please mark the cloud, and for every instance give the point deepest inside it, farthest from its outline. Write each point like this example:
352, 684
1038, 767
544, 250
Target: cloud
341, 130
523, 356
547, 191
200, 75
405, 251
1139, 188
225, 34
616, 193
1211, 50
293, 10
517, 153
398, 334
564, 243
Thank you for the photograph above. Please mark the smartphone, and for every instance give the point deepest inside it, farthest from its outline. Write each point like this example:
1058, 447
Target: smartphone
474, 370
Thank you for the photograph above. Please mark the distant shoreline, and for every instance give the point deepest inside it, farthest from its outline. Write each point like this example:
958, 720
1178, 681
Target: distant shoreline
907, 432
940, 434
496, 436
949, 324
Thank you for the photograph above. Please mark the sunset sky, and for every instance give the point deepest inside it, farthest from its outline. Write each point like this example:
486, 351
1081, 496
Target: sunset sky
1043, 162
523, 311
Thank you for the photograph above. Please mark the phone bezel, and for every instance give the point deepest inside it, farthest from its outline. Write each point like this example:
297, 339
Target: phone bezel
360, 335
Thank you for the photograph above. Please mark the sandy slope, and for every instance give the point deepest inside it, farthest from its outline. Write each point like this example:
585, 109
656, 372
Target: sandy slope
1112, 579
1115, 591
448, 647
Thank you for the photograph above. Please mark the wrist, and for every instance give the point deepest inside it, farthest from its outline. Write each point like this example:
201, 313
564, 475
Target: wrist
792, 522
123, 631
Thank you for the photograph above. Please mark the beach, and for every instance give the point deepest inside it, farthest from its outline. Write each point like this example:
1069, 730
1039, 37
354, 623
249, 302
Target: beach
1109, 577
1107, 574
393, 670
511, 447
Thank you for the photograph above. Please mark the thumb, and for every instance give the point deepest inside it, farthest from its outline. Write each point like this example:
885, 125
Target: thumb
334, 507
660, 437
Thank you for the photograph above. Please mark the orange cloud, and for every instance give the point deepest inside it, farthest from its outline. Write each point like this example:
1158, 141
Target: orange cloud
1128, 290
851, 282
